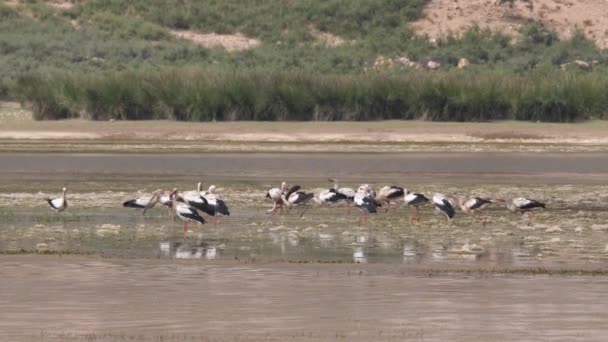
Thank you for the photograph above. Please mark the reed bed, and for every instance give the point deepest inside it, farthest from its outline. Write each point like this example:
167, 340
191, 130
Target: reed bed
192, 94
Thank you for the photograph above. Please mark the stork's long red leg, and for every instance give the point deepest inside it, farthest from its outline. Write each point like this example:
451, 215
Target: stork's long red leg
185, 227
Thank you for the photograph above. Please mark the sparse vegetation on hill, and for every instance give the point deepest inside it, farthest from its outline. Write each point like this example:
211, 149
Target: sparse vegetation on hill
47, 47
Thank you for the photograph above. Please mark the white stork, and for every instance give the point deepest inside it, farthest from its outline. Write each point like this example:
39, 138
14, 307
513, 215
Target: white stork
444, 205
215, 205
414, 199
348, 193
522, 205
365, 202
275, 195
295, 197
194, 199
472, 205
369, 190
390, 194
164, 197
184, 211
59, 204
329, 196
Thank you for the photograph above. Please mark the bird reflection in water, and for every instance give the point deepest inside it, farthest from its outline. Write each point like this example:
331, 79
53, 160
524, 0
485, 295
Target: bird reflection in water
409, 252
185, 251
359, 255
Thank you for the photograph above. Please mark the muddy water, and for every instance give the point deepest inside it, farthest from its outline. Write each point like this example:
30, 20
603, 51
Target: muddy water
419, 167
63, 299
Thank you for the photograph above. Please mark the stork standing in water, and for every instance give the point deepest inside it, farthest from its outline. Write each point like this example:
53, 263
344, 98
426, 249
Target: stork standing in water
194, 199
295, 197
164, 197
348, 193
521, 205
184, 211
276, 196
473, 205
443, 205
59, 204
329, 196
414, 200
389, 195
215, 205
365, 202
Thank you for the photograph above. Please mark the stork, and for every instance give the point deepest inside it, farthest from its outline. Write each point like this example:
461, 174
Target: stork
184, 211
348, 193
472, 205
389, 194
414, 200
329, 196
443, 205
215, 205
521, 204
365, 202
59, 204
194, 199
275, 195
144, 202
295, 197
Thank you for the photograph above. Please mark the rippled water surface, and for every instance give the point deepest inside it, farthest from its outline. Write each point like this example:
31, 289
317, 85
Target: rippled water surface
63, 299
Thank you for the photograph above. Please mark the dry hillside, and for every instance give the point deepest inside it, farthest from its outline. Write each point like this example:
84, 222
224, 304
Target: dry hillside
564, 16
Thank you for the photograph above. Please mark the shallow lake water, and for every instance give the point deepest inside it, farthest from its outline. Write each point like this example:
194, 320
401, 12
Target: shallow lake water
317, 235
100, 272
84, 299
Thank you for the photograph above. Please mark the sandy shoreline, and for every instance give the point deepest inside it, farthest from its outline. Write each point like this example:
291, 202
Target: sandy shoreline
18, 132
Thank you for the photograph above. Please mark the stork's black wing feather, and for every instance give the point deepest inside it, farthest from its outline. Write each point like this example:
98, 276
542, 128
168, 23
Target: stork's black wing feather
533, 204
292, 190
369, 204
221, 207
303, 197
127, 204
447, 208
194, 216
204, 207
396, 194
479, 202
337, 196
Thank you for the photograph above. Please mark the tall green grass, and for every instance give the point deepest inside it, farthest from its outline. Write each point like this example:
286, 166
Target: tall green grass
206, 95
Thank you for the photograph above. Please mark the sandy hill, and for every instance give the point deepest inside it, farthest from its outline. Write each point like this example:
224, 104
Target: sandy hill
564, 16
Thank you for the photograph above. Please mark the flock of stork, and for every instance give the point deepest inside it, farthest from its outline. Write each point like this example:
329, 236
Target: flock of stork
367, 200
187, 204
